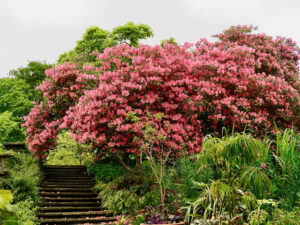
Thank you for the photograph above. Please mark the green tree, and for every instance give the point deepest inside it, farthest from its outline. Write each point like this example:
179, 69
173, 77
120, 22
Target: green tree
97, 39
33, 74
68, 152
94, 39
7, 126
131, 33
171, 40
16, 96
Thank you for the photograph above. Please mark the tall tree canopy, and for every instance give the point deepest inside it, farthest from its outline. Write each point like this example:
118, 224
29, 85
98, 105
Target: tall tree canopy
16, 101
131, 33
16, 96
242, 80
7, 127
33, 74
96, 39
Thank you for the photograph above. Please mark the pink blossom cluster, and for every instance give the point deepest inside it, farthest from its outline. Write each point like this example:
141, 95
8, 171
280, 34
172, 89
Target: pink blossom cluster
61, 90
242, 80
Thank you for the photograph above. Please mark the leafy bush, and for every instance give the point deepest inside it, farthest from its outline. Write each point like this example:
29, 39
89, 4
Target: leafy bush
126, 195
281, 216
24, 177
245, 79
68, 152
23, 180
238, 179
105, 170
285, 167
21, 213
25, 212
228, 182
183, 177
7, 125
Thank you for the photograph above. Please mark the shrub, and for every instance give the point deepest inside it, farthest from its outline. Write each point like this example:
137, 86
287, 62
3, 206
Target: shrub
285, 167
23, 180
238, 179
7, 125
126, 195
24, 177
105, 171
244, 79
68, 152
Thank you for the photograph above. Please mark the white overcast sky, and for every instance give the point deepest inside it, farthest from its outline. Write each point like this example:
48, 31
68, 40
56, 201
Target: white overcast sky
43, 29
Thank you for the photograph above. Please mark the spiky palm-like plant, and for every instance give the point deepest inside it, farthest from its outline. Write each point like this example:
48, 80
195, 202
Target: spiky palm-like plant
234, 160
286, 172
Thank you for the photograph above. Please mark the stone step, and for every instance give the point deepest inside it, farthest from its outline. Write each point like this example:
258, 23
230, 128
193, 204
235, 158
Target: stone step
65, 170
78, 220
59, 199
61, 178
65, 174
60, 194
68, 182
67, 198
73, 214
77, 189
62, 185
69, 208
45, 167
85, 203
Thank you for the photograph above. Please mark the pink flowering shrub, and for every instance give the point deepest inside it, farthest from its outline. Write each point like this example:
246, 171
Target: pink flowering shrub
242, 80
62, 89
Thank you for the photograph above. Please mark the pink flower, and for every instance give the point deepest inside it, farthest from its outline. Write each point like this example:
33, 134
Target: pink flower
243, 80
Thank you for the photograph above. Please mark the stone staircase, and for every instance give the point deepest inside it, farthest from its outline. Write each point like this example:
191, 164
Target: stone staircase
67, 198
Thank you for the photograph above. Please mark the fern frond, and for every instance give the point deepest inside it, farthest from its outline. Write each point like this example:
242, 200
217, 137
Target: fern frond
256, 180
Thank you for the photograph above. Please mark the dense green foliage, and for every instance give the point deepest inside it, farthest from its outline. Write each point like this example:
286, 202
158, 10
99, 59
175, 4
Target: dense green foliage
7, 127
68, 152
18, 93
131, 33
236, 179
16, 96
106, 170
123, 192
23, 180
284, 168
97, 39
33, 74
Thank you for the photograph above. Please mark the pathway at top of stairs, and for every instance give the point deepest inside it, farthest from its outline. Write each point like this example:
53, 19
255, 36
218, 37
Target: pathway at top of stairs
67, 198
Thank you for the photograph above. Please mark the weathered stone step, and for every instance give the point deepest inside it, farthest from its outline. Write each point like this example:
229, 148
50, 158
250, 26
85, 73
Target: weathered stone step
57, 175
58, 199
45, 167
67, 198
73, 214
65, 169
45, 189
85, 203
78, 220
75, 184
69, 208
68, 194
46, 185
68, 182
61, 178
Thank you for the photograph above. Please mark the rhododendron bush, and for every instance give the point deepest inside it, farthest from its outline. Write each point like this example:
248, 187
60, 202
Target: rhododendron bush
242, 80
